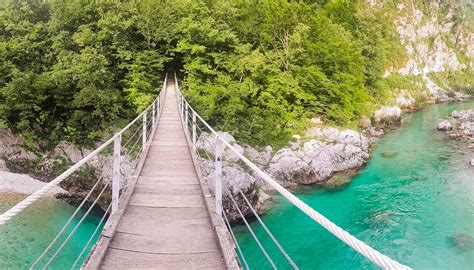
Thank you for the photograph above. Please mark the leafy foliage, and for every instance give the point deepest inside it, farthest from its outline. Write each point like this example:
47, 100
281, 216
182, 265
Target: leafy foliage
256, 68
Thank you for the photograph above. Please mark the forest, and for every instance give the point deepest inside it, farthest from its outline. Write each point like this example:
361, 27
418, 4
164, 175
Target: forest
259, 69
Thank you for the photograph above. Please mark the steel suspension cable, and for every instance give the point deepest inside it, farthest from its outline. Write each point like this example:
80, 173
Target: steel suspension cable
290, 261
91, 237
370, 253
235, 240
251, 230
48, 248
76, 227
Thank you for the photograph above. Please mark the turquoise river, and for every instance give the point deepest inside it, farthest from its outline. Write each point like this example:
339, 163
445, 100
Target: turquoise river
24, 238
417, 207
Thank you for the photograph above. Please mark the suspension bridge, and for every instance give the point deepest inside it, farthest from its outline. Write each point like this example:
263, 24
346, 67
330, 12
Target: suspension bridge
160, 212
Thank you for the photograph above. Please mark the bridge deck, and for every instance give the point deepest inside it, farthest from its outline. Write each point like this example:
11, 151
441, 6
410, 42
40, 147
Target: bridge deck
166, 224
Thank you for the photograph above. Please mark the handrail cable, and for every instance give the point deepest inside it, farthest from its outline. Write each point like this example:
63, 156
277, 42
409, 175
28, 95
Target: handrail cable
251, 231
370, 253
235, 239
76, 227
19, 207
91, 237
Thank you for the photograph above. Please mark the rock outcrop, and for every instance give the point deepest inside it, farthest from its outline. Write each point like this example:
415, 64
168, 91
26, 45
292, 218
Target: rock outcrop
325, 152
465, 123
424, 37
405, 101
315, 161
388, 116
28, 167
12, 150
445, 126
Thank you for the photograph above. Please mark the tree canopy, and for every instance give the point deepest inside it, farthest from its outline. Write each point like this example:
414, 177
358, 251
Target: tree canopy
259, 69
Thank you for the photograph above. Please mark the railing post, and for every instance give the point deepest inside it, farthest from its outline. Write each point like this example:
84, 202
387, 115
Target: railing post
144, 131
153, 115
186, 115
158, 104
194, 131
218, 171
182, 106
116, 174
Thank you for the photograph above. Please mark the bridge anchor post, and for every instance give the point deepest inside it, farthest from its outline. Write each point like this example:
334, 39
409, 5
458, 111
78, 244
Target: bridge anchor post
218, 170
116, 173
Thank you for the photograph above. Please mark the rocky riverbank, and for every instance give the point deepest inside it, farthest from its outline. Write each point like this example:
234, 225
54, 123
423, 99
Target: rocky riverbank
460, 126
25, 171
315, 158
24, 184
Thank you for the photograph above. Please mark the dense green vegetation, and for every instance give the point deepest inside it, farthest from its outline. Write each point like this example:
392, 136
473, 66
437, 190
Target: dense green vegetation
256, 68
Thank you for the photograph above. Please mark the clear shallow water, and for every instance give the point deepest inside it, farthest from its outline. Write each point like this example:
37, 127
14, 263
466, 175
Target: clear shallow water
416, 207
24, 238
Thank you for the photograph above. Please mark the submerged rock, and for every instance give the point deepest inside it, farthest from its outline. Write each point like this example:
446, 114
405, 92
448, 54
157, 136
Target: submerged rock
445, 126
463, 241
390, 154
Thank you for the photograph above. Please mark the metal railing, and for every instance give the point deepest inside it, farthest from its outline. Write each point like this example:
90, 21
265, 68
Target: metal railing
116, 160
199, 130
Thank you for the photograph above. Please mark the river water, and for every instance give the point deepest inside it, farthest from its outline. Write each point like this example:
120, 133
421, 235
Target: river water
416, 207
25, 237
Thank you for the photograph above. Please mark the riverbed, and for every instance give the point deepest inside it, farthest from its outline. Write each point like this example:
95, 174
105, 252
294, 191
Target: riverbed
416, 206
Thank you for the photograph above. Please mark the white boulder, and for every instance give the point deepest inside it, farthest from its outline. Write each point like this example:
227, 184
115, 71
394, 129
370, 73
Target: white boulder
388, 115
445, 125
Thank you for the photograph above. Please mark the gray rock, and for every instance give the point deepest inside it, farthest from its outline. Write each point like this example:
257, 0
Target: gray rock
12, 147
388, 115
315, 161
465, 123
390, 154
68, 150
445, 126
3, 166
365, 122
405, 101
456, 114
375, 132
259, 157
207, 142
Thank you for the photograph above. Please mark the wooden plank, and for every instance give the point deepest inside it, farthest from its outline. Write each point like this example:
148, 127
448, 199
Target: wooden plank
166, 190
121, 259
167, 180
172, 168
179, 229
181, 213
182, 243
167, 200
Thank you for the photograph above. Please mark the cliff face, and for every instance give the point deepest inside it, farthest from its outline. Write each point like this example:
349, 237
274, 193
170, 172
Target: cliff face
434, 41
431, 58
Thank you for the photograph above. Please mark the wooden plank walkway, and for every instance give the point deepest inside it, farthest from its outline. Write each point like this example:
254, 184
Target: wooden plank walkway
166, 224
